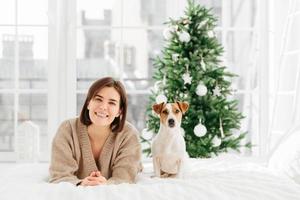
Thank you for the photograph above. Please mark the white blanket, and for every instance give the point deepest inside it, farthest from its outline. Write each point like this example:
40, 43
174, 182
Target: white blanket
222, 178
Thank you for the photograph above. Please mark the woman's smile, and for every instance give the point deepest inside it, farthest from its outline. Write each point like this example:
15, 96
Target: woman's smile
101, 115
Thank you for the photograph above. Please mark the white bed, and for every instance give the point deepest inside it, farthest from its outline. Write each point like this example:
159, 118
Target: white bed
225, 177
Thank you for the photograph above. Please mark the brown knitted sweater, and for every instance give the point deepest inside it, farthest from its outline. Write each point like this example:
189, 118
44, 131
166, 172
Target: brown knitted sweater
72, 159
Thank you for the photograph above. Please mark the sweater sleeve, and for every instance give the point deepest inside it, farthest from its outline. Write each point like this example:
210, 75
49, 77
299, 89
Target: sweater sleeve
128, 161
63, 165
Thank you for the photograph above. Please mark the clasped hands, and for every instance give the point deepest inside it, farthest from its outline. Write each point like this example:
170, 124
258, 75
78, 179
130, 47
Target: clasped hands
95, 178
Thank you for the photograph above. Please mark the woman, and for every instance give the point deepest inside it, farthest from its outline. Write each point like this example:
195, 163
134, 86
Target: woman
99, 147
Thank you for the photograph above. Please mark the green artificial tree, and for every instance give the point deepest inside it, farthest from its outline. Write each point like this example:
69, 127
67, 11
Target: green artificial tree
190, 70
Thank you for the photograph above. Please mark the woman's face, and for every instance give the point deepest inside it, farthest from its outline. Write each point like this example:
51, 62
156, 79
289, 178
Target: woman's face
104, 107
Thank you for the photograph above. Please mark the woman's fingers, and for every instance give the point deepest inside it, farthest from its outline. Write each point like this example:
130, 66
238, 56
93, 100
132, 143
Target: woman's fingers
98, 173
102, 178
95, 178
99, 179
93, 174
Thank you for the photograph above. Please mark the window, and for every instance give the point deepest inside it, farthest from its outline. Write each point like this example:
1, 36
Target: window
24, 68
46, 82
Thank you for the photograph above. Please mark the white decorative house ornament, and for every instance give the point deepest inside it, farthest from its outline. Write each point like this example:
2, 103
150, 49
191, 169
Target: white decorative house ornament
27, 142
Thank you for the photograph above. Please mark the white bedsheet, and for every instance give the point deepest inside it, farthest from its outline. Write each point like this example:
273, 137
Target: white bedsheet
222, 178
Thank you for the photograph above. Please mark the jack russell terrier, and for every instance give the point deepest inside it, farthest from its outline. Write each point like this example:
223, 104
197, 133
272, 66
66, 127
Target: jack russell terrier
168, 146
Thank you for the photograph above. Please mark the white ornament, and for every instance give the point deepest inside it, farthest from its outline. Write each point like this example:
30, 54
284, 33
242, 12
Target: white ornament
201, 90
27, 142
202, 63
161, 98
217, 91
175, 57
147, 135
221, 128
187, 78
201, 24
184, 36
175, 28
156, 86
211, 34
167, 33
186, 21
164, 81
216, 141
200, 130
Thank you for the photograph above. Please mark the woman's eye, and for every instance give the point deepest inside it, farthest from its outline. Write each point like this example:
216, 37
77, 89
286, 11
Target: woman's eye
112, 103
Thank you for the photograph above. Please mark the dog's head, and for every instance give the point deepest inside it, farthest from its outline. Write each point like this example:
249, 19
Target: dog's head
171, 113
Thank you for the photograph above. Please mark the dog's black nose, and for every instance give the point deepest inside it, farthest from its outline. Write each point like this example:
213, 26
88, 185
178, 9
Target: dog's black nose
171, 123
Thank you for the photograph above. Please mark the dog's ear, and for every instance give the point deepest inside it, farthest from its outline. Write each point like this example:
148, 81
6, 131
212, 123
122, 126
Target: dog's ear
158, 107
184, 106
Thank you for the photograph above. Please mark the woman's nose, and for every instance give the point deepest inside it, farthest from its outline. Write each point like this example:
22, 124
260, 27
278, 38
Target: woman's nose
103, 105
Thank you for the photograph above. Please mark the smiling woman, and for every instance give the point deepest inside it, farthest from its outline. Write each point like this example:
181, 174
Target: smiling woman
99, 147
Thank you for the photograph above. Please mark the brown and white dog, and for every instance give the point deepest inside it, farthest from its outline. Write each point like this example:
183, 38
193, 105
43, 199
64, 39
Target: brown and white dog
168, 146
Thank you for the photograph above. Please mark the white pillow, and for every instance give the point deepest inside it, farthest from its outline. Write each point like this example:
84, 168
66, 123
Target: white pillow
286, 157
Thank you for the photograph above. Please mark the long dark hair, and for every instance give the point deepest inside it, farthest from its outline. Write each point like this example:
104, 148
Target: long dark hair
118, 123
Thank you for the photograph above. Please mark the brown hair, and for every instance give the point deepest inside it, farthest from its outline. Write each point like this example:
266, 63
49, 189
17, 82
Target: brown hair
118, 123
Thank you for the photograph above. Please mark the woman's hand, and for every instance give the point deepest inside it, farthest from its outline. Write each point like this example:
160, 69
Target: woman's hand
95, 178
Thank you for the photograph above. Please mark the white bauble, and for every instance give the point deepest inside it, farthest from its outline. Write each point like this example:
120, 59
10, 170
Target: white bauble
200, 130
184, 36
161, 98
201, 89
167, 33
147, 135
216, 141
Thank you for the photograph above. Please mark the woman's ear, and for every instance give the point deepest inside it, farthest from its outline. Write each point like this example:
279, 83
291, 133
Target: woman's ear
88, 106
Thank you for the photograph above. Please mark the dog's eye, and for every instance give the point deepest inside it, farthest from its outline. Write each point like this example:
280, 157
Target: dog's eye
165, 112
177, 111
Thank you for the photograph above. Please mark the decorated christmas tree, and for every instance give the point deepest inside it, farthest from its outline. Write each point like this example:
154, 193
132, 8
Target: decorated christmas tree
189, 69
